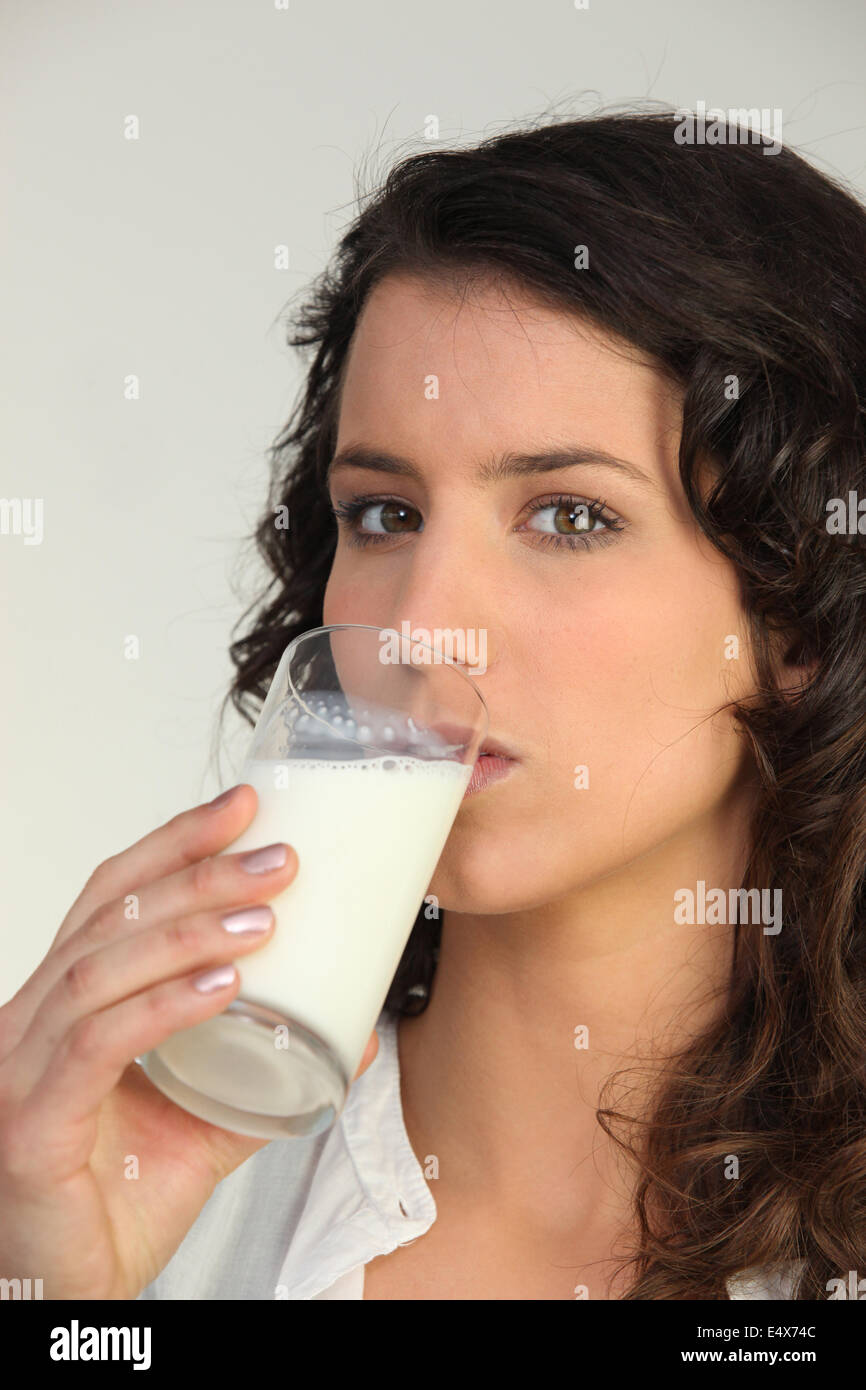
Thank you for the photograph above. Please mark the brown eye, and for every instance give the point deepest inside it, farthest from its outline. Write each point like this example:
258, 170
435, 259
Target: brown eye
577, 524
570, 518
396, 516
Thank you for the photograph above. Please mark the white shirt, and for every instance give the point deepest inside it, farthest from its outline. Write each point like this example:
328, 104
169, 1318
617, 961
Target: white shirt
301, 1218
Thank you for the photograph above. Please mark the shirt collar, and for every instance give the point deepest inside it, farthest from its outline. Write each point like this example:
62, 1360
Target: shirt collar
368, 1193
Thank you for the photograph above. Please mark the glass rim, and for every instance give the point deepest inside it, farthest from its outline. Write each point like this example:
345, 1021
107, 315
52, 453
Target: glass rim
370, 627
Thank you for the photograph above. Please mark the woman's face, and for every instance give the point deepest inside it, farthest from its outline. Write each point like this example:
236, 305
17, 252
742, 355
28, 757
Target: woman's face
608, 648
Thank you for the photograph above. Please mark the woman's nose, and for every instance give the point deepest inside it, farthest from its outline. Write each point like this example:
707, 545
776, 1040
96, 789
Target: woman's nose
467, 646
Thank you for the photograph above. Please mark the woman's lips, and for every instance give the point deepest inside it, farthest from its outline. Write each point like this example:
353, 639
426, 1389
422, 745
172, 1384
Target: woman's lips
487, 770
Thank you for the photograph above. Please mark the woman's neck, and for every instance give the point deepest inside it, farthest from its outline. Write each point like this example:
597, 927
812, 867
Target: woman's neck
532, 1012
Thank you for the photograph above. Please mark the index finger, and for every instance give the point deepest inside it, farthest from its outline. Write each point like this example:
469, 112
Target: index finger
184, 839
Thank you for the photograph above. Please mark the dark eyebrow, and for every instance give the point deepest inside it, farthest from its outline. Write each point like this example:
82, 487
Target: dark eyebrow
510, 465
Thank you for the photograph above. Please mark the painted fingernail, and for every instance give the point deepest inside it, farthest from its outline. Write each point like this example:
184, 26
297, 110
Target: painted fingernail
215, 979
223, 799
259, 861
249, 919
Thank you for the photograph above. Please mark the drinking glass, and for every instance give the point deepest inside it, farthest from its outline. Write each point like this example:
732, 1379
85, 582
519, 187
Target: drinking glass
360, 757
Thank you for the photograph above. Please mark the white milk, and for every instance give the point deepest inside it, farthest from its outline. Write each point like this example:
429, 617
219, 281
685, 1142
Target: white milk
368, 836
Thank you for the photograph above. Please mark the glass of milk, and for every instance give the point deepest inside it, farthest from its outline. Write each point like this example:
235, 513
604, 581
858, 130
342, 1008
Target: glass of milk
360, 757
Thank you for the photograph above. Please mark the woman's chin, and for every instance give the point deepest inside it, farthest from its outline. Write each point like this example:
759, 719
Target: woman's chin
490, 892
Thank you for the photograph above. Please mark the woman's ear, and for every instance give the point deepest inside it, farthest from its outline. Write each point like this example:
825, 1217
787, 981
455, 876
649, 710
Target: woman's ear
793, 666
795, 670
797, 677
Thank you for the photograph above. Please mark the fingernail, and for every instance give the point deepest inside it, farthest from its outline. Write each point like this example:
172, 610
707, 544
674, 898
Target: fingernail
224, 797
215, 979
249, 919
259, 861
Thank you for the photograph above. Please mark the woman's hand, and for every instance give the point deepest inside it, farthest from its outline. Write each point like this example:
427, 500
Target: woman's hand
75, 1107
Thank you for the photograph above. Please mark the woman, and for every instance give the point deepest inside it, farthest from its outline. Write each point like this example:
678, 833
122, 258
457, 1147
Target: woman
596, 394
